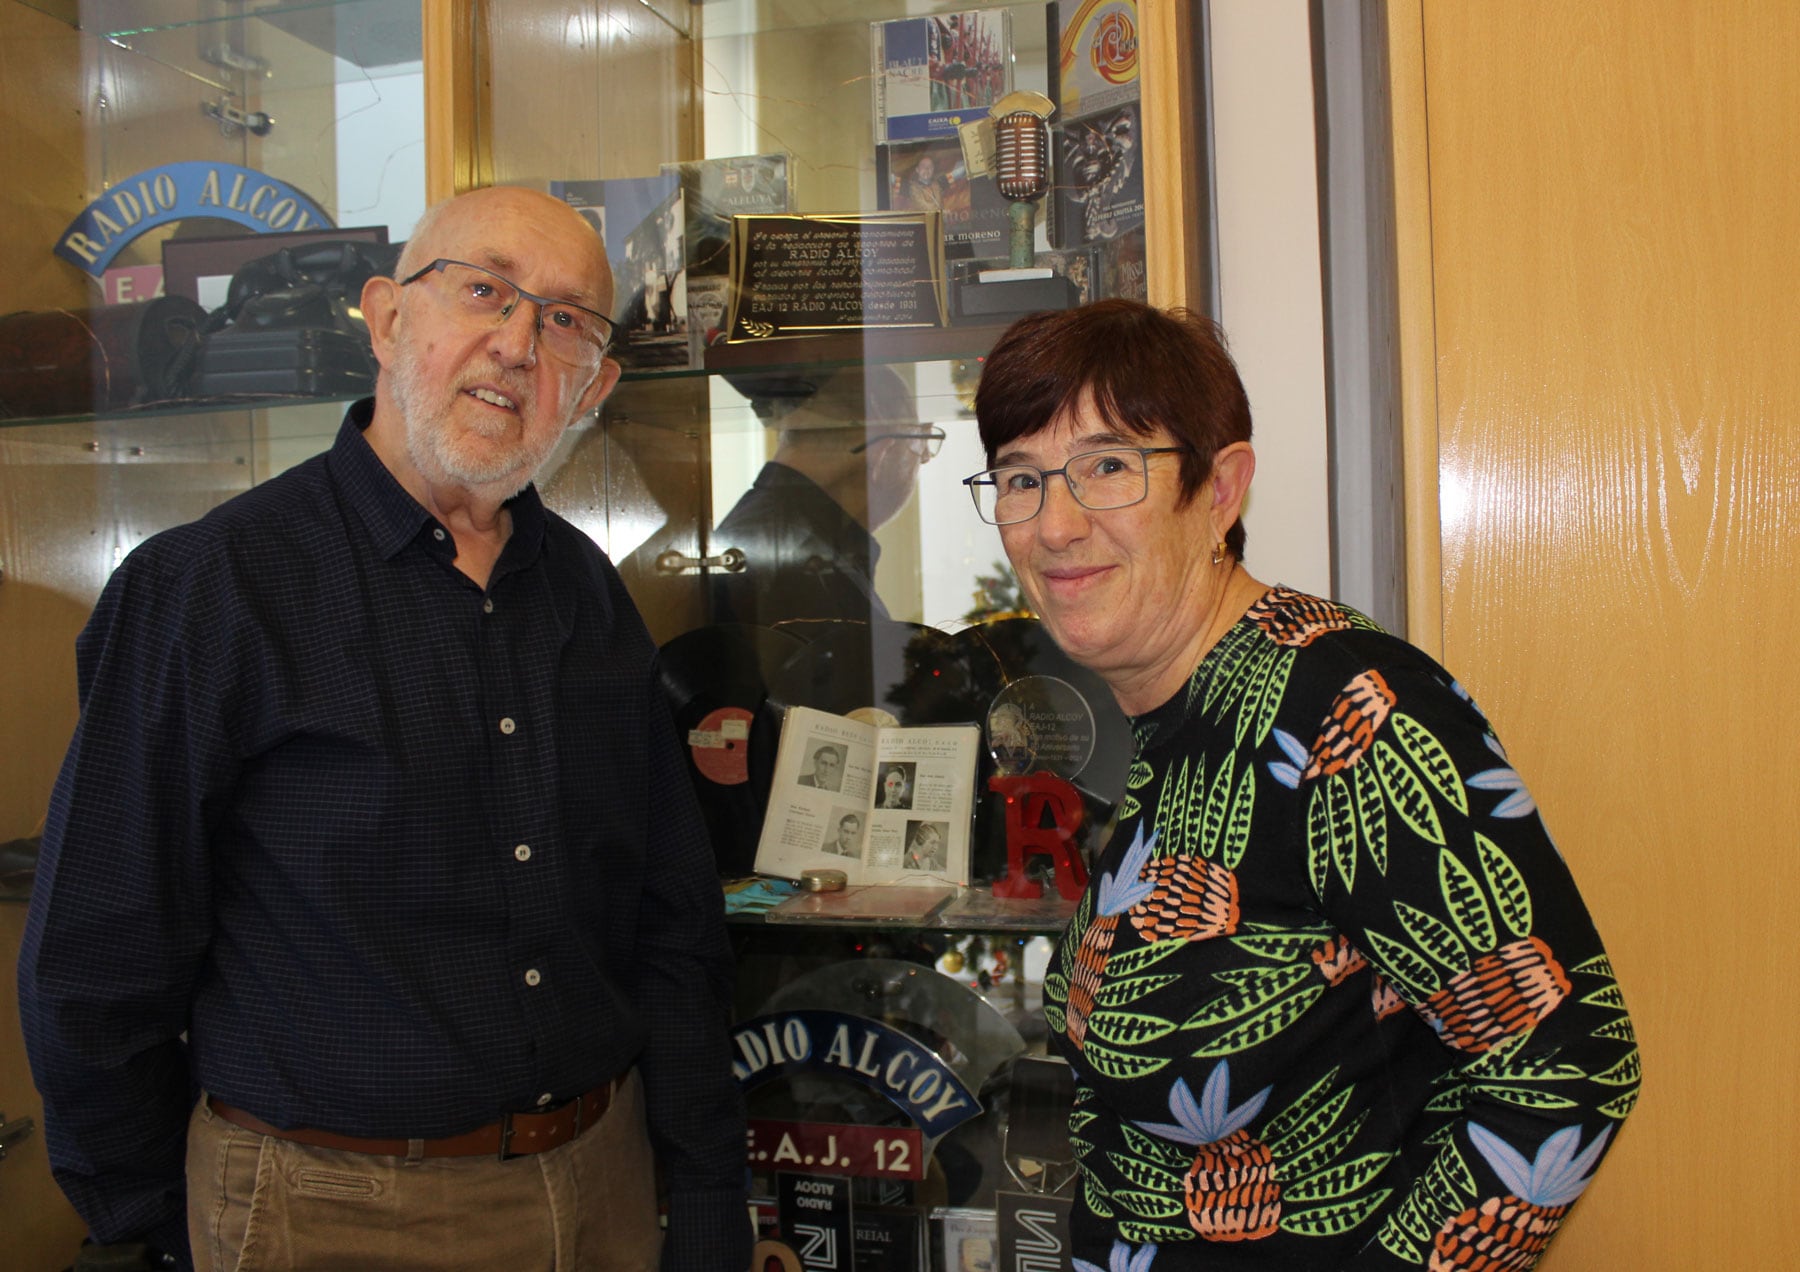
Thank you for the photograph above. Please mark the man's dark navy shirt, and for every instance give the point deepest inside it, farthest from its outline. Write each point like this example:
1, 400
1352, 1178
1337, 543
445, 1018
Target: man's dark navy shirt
806, 556
398, 854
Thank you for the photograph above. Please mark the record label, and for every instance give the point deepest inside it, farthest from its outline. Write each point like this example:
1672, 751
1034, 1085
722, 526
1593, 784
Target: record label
1041, 724
720, 746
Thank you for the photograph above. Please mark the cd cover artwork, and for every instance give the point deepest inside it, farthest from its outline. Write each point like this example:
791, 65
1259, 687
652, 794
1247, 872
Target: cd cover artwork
715, 190
932, 74
1122, 271
1096, 63
931, 176
1099, 187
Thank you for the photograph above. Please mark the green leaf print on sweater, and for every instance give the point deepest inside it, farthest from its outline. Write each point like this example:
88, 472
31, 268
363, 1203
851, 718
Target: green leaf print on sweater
1490, 993
1241, 1187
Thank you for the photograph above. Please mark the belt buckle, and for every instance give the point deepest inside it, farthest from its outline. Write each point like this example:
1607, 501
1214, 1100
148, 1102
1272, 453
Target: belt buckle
506, 1126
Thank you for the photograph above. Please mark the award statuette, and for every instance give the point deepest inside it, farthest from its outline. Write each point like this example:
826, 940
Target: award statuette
1022, 171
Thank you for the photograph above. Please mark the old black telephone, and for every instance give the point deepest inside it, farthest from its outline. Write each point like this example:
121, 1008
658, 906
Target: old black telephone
292, 324
318, 287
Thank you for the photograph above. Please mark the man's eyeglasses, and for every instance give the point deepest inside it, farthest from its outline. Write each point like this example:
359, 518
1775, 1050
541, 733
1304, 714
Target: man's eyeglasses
1113, 478
925, 442
480, 300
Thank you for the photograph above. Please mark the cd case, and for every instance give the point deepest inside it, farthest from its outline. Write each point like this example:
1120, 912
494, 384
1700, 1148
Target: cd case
863, 903
1099, 189
933, 74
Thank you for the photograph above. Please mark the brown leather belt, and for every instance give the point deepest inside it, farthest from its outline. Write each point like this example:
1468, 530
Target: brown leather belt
512, 1136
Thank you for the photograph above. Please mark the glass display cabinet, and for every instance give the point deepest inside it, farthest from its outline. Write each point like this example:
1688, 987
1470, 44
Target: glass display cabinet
890, 1048
192, 131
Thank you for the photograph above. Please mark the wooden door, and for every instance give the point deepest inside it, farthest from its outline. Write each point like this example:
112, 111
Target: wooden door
1599, 234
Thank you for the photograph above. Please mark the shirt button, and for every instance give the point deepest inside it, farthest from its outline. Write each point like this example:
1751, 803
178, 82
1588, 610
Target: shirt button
531, 976
544, 1099
487, 605
522, 852
506, 724
438, 534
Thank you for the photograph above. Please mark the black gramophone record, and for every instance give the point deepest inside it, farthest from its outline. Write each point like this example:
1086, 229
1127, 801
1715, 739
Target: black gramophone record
887, 671
716, 681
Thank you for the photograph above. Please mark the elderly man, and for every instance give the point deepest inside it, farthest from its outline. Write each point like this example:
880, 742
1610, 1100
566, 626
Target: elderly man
374, 831
847, 462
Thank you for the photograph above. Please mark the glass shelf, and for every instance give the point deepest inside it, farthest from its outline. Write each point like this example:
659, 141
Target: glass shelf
243, 49
739, 362
842, 348
974, 909
124, 19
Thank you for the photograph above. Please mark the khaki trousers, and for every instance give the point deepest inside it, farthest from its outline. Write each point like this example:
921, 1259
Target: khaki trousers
260, 1204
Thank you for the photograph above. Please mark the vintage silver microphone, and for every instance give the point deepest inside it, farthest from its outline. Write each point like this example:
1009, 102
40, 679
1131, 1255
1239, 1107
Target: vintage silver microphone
1022, 164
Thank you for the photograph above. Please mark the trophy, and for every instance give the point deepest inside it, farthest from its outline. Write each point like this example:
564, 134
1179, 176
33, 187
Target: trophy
1021, 123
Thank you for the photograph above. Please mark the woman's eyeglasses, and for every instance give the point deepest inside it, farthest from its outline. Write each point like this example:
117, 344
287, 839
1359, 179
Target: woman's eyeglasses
1113, 478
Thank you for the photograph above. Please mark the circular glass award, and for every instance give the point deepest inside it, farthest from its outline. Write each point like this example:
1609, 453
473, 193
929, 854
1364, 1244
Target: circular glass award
1040, 724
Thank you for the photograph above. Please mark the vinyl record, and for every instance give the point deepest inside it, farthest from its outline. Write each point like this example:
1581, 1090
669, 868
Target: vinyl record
914, 674
716, 682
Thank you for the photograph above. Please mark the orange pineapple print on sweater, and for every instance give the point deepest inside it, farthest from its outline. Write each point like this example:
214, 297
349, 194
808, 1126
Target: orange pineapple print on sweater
1294, 619
1350, 726
1504, 992
1474, 1000
1118, 892
1507, 1234
1190, 899
1230, 1191
1242, 1187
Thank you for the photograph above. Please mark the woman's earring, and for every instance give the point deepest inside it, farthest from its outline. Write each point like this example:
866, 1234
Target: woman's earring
1218, 556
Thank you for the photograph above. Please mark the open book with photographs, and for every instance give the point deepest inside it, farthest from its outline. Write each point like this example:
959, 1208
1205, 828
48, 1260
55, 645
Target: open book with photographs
884, 804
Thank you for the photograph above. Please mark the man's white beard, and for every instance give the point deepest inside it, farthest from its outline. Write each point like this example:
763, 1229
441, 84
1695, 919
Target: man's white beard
433, 443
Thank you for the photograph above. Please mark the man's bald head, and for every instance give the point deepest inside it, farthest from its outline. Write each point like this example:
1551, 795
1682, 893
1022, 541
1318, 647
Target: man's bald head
449, 228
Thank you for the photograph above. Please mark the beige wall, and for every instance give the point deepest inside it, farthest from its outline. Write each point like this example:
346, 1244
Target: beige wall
1599, 241
1271, 284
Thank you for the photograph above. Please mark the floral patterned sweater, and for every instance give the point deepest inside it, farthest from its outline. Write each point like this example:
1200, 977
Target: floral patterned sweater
1332, 999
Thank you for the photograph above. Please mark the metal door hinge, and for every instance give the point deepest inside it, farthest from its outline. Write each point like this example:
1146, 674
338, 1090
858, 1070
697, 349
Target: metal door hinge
233, 119
731, 561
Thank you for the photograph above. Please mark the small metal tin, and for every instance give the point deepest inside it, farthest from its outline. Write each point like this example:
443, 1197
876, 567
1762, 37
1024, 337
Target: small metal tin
823, 880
